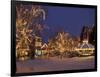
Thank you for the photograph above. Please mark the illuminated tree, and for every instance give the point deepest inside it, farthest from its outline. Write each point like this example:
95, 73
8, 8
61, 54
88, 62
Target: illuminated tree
27, 26
63, 43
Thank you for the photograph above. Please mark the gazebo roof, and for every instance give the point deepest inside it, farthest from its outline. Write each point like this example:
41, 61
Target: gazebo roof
85, 46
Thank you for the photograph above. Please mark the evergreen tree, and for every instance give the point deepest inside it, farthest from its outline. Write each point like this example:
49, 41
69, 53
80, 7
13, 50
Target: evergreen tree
92, 38
84, 33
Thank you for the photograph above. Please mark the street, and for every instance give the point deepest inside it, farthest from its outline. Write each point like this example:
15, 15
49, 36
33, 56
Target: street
55, 64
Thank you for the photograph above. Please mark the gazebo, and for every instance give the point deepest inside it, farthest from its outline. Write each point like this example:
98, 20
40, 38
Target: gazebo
85, 48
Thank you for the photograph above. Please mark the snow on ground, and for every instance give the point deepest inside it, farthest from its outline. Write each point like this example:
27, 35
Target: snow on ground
55, 64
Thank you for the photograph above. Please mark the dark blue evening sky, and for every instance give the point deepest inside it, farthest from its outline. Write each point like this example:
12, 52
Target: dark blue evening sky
69, 19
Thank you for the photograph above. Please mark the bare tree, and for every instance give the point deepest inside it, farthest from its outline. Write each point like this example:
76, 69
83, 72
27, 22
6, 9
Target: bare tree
63, 42
26, 28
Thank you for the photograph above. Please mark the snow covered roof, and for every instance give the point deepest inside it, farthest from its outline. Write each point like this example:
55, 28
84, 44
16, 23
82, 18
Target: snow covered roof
44, 46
